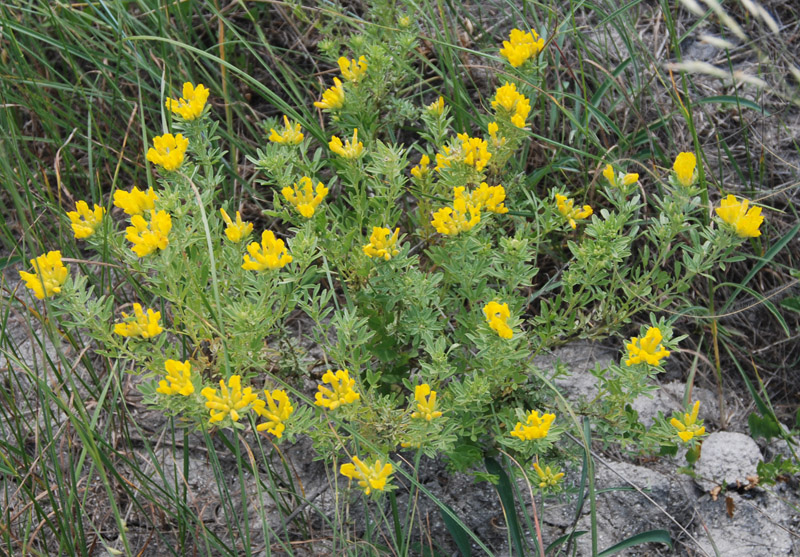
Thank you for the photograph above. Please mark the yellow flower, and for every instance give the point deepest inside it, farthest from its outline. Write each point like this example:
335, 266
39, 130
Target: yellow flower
613, 181
145, 326
536, 427
271, 254
486, 197
745, 223
443, 161
381, 244
333, 98
136, 202
547, 477
276, 410
348, 150
689, 428
291, 134
521, 46
191, 105
341, 391
49, 273
497, 142
236, 231
516, 106
169, 151
684, 167
369, 477
462, 216
147, 237
426, 403
421, 170
352, 70
302, 196
84, 220
436, 107
497, 316
474, 150
231, 400
571, 213
649, 349
178, 380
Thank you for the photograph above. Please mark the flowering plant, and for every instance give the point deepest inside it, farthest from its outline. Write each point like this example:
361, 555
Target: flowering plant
427, 270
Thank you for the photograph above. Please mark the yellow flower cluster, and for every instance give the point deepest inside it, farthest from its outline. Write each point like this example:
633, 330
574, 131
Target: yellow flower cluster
497, 316
570, 212
84, 220
302, 196
547, 478
514, 104
230, 401
353, 70
191, 105
382, 243
135, 202
178, 380
348, 150
341, 391
473, 151
536, 427
689, 428
169, 151
270, 254
685, 166
622, 181
147, 237
368, 477
49, 273
485, 197
236, 231
426, 403
421, 171
466, 210
333, 98
140, 325
291, 134
648, 349
745, 223
436, 107
462, 216
276, 409
521, 46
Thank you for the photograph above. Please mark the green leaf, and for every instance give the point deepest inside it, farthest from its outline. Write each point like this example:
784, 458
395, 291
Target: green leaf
460, 535
652, 536
564, 539
693, 454
729, 99
668, 450
791, 303
766, 427
507, 499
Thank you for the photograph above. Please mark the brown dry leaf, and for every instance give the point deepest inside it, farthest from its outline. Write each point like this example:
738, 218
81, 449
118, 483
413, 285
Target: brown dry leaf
715, 492
752, 481
730, 506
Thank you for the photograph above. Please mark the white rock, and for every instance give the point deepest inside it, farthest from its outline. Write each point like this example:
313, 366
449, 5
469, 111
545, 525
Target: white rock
727, 458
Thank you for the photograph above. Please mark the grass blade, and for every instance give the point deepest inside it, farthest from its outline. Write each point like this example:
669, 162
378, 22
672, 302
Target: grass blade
651, 536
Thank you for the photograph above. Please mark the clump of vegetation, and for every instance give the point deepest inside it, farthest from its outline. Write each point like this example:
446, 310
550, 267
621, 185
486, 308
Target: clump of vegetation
426, 259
